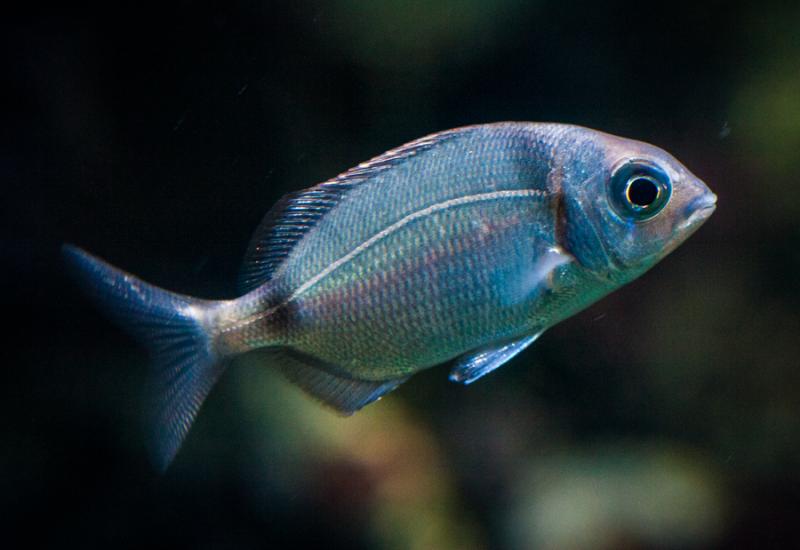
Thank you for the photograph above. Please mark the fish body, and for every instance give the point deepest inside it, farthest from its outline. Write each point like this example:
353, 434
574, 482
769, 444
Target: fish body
464, 245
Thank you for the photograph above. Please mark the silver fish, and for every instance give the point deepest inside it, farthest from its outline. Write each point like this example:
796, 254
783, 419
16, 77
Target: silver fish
464, 245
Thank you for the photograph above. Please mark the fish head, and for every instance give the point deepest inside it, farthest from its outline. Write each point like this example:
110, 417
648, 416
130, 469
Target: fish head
629, 204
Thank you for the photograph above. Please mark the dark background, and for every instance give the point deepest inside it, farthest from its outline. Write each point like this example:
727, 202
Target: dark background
156, 136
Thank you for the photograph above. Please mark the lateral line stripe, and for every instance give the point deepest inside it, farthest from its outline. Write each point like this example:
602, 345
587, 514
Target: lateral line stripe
444, 205
384, 233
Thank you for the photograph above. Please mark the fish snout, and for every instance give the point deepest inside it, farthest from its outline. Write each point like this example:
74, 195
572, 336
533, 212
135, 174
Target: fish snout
701, 208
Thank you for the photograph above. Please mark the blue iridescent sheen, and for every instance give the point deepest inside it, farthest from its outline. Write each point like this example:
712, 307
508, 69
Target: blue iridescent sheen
464, 245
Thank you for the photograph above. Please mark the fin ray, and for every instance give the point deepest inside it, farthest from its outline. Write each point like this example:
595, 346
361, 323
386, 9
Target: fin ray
322, 381
296, 213
185, 364
480, 362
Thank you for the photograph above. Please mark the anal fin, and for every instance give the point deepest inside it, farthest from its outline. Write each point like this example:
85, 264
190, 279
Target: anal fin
482, 361
319, 379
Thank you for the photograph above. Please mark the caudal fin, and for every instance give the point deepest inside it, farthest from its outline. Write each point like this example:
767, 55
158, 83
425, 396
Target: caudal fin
173, 327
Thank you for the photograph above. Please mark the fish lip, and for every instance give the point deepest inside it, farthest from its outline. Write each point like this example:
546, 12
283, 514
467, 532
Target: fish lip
701, 208
705, 201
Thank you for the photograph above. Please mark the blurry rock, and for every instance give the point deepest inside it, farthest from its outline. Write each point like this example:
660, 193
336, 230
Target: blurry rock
618, 496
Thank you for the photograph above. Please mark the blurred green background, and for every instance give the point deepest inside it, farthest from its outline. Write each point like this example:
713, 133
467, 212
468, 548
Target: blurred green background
666, 416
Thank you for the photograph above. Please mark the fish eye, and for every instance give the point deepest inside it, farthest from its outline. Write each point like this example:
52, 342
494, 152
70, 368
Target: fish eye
642, 191
639, 190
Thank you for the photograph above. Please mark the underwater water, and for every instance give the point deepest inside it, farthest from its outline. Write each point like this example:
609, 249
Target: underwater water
667, 415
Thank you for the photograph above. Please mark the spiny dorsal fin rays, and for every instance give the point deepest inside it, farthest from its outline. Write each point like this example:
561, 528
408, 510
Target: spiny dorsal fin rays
295, 214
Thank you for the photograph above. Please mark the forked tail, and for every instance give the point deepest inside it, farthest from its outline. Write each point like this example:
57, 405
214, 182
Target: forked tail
174, 328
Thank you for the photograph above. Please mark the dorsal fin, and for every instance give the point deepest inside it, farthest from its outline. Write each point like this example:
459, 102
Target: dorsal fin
292, 216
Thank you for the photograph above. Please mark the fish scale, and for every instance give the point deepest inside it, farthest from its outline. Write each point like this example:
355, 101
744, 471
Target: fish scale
461, 246
452, 314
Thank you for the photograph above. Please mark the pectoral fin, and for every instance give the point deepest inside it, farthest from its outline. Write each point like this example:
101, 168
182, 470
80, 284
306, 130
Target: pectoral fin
537, 277
477, 363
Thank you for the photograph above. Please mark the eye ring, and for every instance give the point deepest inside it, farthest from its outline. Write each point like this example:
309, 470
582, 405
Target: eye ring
638, 190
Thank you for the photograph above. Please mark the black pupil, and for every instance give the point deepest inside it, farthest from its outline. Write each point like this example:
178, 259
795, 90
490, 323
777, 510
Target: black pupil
642, 192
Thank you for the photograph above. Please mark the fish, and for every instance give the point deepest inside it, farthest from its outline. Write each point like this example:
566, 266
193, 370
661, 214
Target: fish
460, 247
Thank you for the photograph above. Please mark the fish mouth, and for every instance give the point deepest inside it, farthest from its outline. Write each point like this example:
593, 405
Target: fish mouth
701, 208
